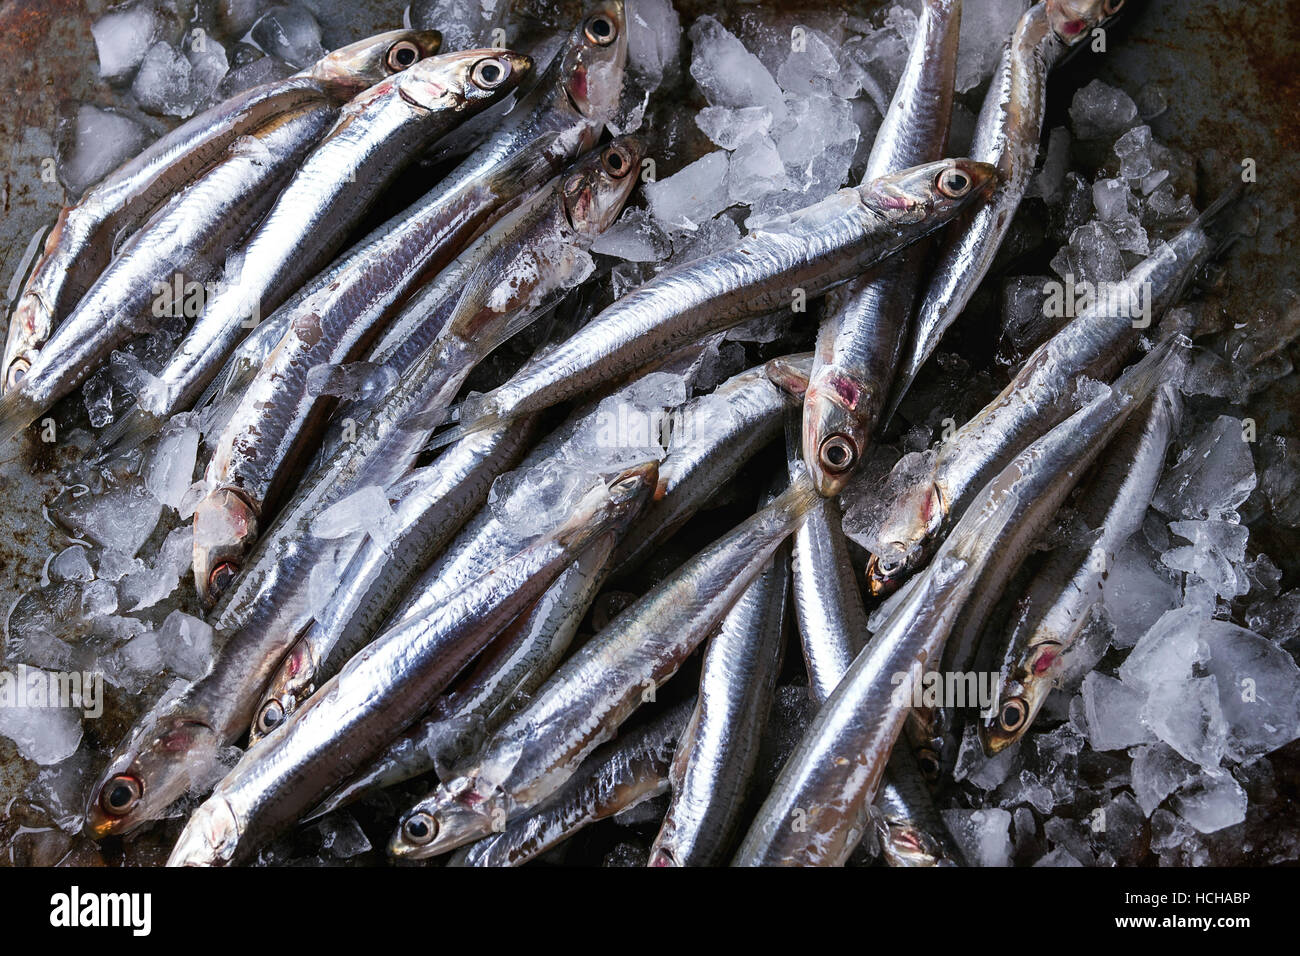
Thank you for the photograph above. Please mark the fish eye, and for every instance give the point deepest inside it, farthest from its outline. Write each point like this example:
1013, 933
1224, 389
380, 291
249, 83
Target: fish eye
221, 576
488, 74
419, 829
1012, 716
953, 183
401, 55
17, 369
271, 716
616, 161
837, 454
600, 30
888, 565
120, 795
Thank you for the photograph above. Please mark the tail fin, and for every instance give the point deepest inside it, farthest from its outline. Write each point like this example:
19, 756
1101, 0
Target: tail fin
475, 414
1166, 363
127, 433
17, 411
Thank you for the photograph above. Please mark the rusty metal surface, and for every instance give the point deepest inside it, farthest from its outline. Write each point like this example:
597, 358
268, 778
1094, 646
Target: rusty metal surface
1229, 70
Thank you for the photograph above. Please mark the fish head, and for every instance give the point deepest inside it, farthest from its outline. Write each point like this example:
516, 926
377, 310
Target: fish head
225, 528
29, 325
452, 816
466, 81
598, 185
905, 844
835, 432
160, 763
209, 838
593, 60
906, 537
290, 686
358, 66
933, 191
1074, 20
610, 506
1025, 681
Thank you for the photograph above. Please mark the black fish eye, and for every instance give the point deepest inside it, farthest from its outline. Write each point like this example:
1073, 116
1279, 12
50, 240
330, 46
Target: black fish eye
837, 454
1012, 715
489, 73
419, 829
120, 795
600, 30
271, 716
401, 55
953, 183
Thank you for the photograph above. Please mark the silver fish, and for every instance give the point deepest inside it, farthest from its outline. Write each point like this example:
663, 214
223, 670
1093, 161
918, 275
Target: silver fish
82, 241
815, 812
260, 452
713, 767
1094, 343
377, 134
1055, 607
617, 777
1007, 133
811, 251
862, 332
385, 688
594, 691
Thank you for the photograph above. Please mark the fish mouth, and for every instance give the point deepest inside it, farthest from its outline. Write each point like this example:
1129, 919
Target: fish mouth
231, 518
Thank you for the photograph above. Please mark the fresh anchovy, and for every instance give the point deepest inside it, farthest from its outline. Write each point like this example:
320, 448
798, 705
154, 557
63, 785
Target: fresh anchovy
503, 678
594, 691
713, 767
720, 433
1055, 607
186, 240
266, 609
83, 239
908, 825
432, 504
815, 812
376, 135
386, 687
861, 336
617, 777
811, 250
1094, 343
257, 454
1007, 134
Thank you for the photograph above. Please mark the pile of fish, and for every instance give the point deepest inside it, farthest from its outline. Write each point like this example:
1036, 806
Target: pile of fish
522, 487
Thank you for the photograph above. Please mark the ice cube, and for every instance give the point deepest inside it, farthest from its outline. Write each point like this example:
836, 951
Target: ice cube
1158, 771
162, 84
986, 26
1049, 182
97, 394
1215, 550
812, 67
145, 588
342, 836
1169, 651
44, 731
1058, 857
122, 37
714, 234
185, 643
692, 195
1100, 111
1212, 476
291, 33
654, 38
1151, 102
1211, 801
731, 127
71, 564
983, 771
1134, 150
1092, 255
365, 510
96, 143
1136, 592
1110, 197
1259, 689
1186, 715
756, 170
1112, 710
728, 73
171, 469
208, 67
119, 519
134, 665
984, 836
636, 237
1277, 619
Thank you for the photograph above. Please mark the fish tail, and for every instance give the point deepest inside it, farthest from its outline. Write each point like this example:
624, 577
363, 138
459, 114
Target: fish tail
1166, 363
474, 415
1227, 220
17, 411
128, 432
